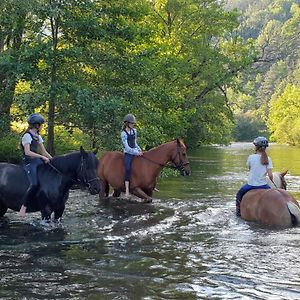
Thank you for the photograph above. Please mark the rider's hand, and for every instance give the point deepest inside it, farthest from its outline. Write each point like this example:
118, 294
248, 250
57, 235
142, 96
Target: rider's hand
141, 153
46, 159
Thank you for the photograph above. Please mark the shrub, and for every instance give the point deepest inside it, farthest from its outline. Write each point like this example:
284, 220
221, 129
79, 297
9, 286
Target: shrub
9, 149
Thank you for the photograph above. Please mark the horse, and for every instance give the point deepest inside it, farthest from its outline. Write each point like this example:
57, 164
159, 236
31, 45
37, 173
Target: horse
275, 206
55, 180
145, 169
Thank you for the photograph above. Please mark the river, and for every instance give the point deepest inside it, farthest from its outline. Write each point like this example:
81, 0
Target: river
188, 245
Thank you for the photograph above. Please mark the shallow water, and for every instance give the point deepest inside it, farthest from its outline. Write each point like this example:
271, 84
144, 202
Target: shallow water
187, 245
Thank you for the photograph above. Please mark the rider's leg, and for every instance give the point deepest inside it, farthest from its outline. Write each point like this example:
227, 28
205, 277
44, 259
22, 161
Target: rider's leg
127, 164
239, 196
33, 185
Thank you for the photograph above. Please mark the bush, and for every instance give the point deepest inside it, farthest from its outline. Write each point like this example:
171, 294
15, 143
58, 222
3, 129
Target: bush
10, 149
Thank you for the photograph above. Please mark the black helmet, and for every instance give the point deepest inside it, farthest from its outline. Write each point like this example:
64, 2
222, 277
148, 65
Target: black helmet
261, 141
130, 118
35, 119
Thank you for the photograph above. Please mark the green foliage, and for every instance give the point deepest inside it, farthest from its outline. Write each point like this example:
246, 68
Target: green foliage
10, 151
247, 127
284, 116
274, 26
169, 62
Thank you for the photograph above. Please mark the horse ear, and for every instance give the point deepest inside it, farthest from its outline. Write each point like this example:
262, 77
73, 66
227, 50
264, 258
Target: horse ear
284, 173
95, 151
82, 151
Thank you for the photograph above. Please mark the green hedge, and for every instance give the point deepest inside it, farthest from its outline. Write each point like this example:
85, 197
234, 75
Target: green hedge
9, 149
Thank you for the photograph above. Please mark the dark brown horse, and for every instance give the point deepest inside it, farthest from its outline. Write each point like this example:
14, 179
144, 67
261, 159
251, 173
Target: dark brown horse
145, 169
272, 206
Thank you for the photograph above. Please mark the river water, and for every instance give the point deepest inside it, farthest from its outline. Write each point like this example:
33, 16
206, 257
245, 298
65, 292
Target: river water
187, 245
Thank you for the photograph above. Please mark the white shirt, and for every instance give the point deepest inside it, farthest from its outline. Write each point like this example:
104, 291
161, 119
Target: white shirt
258, 172
26, 139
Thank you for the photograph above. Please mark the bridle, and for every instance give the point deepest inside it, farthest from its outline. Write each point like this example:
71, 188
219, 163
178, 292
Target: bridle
82, 170
179, 167
182, 164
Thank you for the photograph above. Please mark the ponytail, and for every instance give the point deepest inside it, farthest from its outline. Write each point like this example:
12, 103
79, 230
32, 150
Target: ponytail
264, 157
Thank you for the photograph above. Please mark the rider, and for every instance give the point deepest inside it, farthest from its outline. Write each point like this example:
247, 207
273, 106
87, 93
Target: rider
131, 148
34, 154
260, 164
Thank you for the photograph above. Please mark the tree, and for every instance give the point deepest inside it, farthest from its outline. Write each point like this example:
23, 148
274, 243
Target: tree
13, 24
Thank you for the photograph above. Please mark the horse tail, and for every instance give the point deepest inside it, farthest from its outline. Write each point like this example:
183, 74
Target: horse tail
295, 213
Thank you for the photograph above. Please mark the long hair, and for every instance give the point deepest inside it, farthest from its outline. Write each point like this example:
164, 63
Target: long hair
264, 157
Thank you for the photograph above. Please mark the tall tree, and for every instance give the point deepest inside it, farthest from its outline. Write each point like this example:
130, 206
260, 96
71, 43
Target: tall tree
13, 20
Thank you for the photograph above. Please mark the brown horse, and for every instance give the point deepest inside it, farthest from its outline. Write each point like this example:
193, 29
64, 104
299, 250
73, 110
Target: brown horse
145, 169
271, 206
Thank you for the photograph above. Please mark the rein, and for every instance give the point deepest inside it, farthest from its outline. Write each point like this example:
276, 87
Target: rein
60, 173
85, 181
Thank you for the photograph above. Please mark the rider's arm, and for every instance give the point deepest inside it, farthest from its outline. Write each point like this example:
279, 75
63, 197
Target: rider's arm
44, 152
270, 174
32, 154
269, 168
136, 144
127, 149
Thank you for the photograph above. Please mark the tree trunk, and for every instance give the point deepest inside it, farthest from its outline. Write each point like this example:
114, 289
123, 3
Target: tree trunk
53, 86
10, 43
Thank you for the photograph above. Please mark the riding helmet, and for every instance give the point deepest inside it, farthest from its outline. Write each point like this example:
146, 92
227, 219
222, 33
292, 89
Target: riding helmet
130, 118
261, 141
36, 119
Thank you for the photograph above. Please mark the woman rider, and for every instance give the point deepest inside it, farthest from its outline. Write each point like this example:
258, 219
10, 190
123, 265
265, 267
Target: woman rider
34, 154
260, 165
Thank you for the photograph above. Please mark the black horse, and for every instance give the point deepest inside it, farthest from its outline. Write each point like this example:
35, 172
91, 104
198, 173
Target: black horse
55, 181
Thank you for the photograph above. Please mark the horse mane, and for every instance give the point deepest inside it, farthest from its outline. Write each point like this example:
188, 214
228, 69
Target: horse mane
64, 161
180, 141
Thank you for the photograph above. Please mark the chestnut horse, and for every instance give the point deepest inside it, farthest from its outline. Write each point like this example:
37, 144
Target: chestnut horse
273, 206
145, 169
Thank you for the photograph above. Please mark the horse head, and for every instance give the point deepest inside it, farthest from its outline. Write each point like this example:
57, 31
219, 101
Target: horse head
179, 158
278, 180
87, 171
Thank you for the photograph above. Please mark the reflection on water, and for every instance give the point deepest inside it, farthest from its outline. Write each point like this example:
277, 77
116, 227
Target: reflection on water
190, 246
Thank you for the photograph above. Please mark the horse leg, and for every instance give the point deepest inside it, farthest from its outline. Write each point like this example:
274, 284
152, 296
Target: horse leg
116, 193
137, 191
3, 209
58, 213
104, 189
46, 213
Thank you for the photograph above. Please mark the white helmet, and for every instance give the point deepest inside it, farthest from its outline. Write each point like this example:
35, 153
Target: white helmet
130, 118
261, 141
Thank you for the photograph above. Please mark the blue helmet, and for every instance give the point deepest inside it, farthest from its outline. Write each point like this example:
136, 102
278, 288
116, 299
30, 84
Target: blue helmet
35, 119
261, 141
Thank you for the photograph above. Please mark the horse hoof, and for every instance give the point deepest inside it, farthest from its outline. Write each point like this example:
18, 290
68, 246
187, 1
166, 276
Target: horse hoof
148, 200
